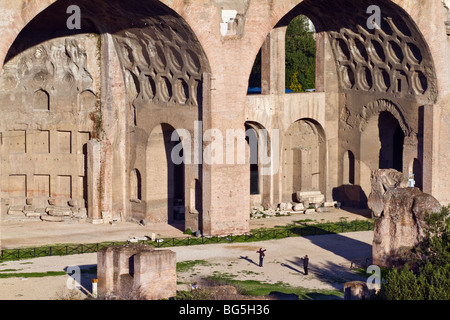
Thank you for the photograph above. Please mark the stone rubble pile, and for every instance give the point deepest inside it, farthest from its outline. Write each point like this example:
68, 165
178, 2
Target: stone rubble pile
50, 213
288, 208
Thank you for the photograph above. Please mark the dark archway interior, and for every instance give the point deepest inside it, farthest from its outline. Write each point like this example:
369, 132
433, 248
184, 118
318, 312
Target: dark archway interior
175, 178
252, 140
391, 139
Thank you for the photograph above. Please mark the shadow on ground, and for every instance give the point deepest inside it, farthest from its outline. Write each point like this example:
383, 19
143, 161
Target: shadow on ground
249, 260
340, 244
332, 273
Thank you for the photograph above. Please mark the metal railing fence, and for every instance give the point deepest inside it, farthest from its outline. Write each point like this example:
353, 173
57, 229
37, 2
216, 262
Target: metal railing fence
300, 229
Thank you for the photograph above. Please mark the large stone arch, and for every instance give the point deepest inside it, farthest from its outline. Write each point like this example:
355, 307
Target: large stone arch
372, 60
231, 57
147, 61
390, 68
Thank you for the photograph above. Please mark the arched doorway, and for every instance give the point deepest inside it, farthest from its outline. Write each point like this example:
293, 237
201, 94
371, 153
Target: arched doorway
304, 153
348, 168
391, 142
263, 161
287, 60
381, 146
251, 136
165, 179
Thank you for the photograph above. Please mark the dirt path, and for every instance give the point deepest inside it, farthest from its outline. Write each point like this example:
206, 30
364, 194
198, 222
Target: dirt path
330, 255
16, 233
330, 258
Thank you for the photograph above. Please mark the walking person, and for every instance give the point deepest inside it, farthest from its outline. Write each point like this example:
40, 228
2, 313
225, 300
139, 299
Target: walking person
305, 264
261, 256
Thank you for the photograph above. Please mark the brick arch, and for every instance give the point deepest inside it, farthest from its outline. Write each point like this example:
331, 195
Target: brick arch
375, 107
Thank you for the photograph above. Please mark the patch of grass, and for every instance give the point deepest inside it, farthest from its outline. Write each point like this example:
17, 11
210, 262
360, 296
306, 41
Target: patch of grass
10, 270
249, 272
363, 272
259, 288
193, 295
304, 220
184, 266
32, 274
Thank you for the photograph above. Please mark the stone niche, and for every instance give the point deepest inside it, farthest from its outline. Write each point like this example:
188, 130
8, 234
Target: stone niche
136, 272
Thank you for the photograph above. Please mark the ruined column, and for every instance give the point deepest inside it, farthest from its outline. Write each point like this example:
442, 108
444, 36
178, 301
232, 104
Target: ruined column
273, 62
94, 149
427, 157
115, 117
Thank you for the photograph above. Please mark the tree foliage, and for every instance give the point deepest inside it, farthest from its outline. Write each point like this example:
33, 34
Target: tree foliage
300, 57
295, 85
300, 53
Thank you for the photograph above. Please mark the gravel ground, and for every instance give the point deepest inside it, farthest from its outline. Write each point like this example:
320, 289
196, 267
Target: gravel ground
330, 256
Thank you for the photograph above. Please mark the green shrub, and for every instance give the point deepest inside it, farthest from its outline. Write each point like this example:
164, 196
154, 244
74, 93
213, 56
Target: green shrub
431, 281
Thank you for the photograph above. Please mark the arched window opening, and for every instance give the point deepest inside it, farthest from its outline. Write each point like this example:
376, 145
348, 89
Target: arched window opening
136, 185
300, 55
290, 51
349, 168
252, 139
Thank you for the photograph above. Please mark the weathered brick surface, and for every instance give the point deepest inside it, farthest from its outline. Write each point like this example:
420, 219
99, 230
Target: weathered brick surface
226, 65
136, 272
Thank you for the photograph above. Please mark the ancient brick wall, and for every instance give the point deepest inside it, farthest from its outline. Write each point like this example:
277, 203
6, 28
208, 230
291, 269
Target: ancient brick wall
195, 66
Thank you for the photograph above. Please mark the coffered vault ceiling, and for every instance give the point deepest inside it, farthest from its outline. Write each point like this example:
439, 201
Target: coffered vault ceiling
161, 59
392, 58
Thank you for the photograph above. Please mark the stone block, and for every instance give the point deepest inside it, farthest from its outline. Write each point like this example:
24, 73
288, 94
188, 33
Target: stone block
51, 218
29, 208
60, 212
310, 211
400, 217
106, 216
41, 211
155, 274
82, 212
310, 196
15, 212
285, 206
32, 214
330, 203
136, 271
